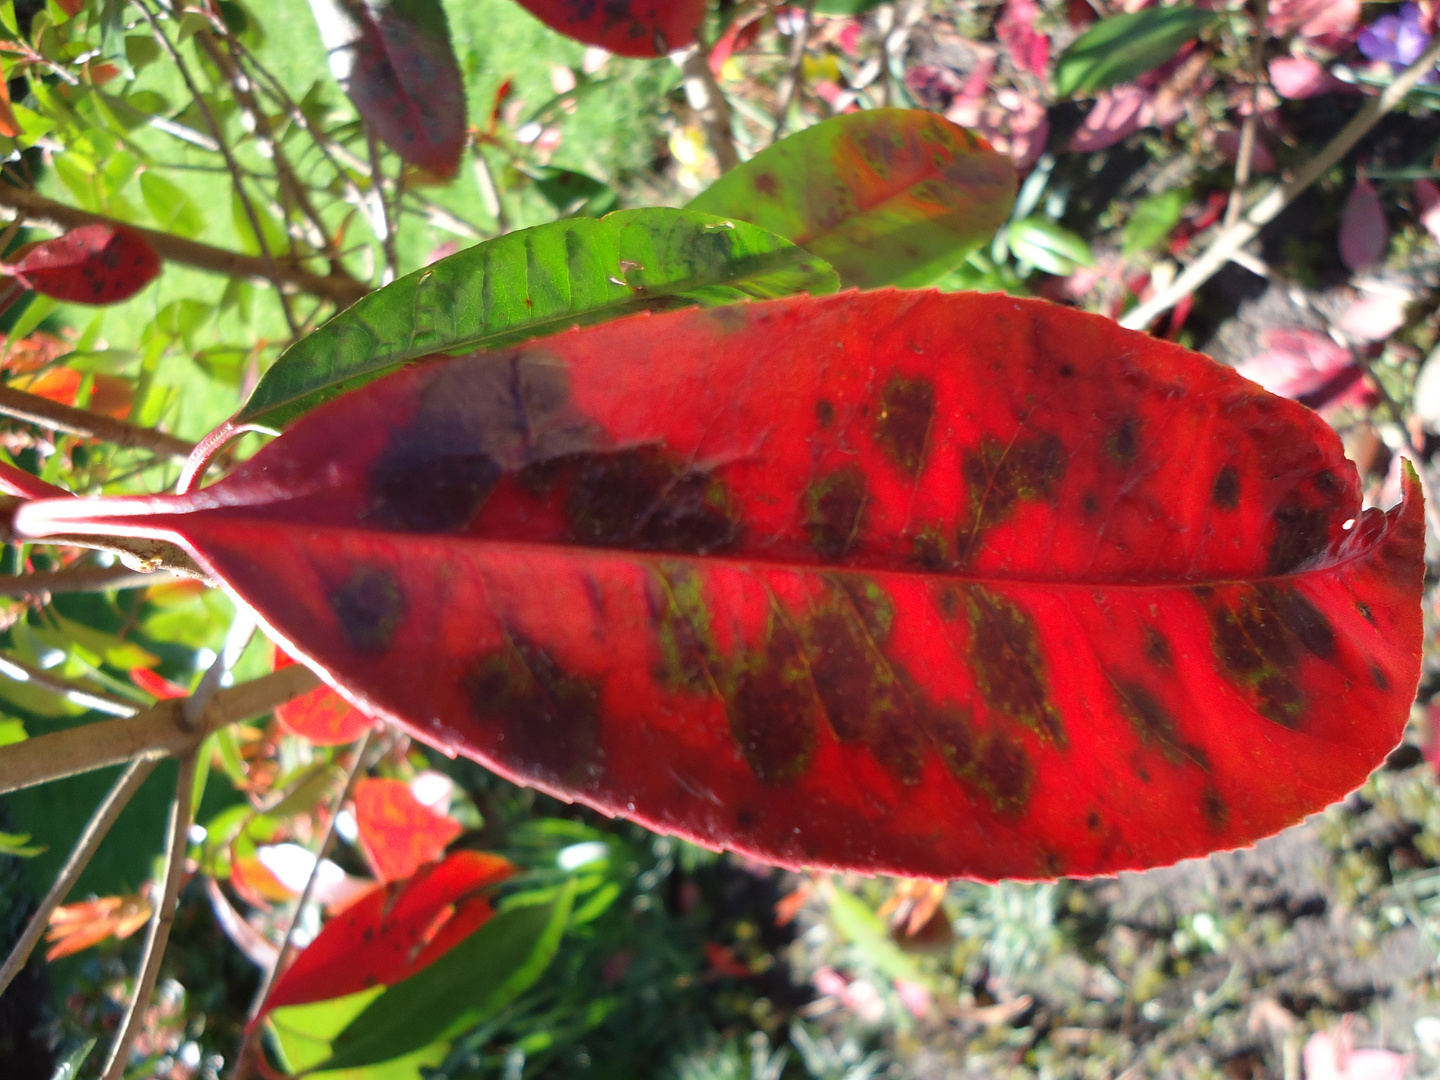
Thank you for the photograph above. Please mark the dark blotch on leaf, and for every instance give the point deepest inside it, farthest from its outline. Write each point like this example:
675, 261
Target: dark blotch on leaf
824, 413
1225, 493
551, 717
834, 512
1302, 531
1009, 669
1154, 723
1005, 773
430, 494
1213, 808
1378, 677
688, 658
368, 605
772, 710
1001, 474
1157, 648
902, 427
1302, 618
642, 498
1123, 444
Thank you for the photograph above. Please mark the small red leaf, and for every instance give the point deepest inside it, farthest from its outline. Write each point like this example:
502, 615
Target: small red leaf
625, 27
1029, 50
156, 686
905, 582
321, 716
393, 931
94, 264
1364, 232
395, 62
397, 831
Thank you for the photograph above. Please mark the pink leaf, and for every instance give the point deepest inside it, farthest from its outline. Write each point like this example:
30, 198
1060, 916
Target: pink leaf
1261, 159
1307, 367
1117, 114
1364, 233
1312, 18
1427, 201
1373, 318
1029, 50
1297, 77
1329, 1056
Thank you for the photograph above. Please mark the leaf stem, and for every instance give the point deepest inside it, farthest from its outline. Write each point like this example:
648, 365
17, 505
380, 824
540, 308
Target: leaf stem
156, 732
45, 212
177, 841
1232, 238
89, 842
81, 579
43, 412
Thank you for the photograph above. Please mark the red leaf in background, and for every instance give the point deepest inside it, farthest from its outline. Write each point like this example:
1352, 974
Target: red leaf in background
1308, 367
909, 582
1029, 50
157, 686
1330, 19
94, 264
395, 62
625, 27
1364, 232
1299, 77
322, 716
393, 931
1427, 201
1117, 114
397, 831
1373, 317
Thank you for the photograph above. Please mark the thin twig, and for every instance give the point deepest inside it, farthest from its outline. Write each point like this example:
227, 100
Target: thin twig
85, 847
156, 732
490, 192
237, 178
242, 629
47, 213
382, 222
1245, 156
790, 82
34, 409
1233, 238
157, 934
82, 695
708, 100
247, 1046
81, 579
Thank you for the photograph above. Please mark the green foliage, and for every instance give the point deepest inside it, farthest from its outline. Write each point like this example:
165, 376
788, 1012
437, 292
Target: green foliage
1120, 47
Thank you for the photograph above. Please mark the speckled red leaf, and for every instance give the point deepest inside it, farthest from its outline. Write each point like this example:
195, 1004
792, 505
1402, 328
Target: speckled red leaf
322, 716
626, 27
394, 930
395, 62
94, 264
929, 584
397, 832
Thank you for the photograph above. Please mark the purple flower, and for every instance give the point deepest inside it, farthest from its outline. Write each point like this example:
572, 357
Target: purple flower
1396, 39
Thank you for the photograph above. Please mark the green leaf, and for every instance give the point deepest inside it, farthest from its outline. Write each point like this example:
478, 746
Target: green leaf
529, 283
173, 210
16, 844
1117, 49
12, 731
302, 1033
886, 196
574, 193
69, 1069
845, 7
1153, 219
863, 928
1048, 246
474, 980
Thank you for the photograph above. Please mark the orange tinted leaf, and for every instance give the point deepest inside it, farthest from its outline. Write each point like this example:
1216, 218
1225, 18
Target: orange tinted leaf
394, 931
155, 685
397, 831
323, 717
74, 927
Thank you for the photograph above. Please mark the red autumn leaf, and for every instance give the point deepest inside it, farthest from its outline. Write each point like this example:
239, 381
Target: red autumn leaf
397, 831
394, 930
94, 264
75, 927
157, 686
1028, 48
1364, 232
321, 716
394, 60
625, 27
1308, 367
917, 583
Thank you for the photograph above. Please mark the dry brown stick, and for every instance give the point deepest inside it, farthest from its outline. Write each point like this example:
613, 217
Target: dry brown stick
34, 409
708, 100
1245, 156
237, 177
89, 842
157, 732
48, 213
1232, 239
157, 934
790, 82
81, 579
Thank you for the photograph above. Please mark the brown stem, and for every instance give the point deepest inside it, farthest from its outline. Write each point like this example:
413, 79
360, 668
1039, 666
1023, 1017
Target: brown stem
177, 841
34, 409
790, 83
60, 217
708, 101
95, 831
81, 579
157, 732
1245, 156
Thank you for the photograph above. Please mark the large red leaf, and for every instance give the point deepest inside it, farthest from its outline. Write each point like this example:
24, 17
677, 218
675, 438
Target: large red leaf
397, 831
936, 585
626, 27
394, 930
395, 62
94, 264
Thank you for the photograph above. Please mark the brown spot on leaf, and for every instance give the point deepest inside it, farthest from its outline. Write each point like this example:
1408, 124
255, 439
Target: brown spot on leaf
1365, 612
550, 717
1093, 821
1302, 531
999, 475
1157, 648
438, 493
1009, 669
1213, 808
1260, 638
688, 658
948, 602
765, 184
835, 511
902, 426
824, 413
369, 605
1225, 492
1302, 618
1378, 676
643, 498
1123, 444
1005, 773
772, 709
1154, 723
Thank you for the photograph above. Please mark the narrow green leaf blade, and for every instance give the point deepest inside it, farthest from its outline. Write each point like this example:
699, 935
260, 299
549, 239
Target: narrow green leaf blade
886, 196
474, 980
1117, 49
534, 282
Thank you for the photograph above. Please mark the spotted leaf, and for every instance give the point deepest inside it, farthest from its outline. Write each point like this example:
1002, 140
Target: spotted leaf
625, 27
94, 264
929, 584
885, 196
